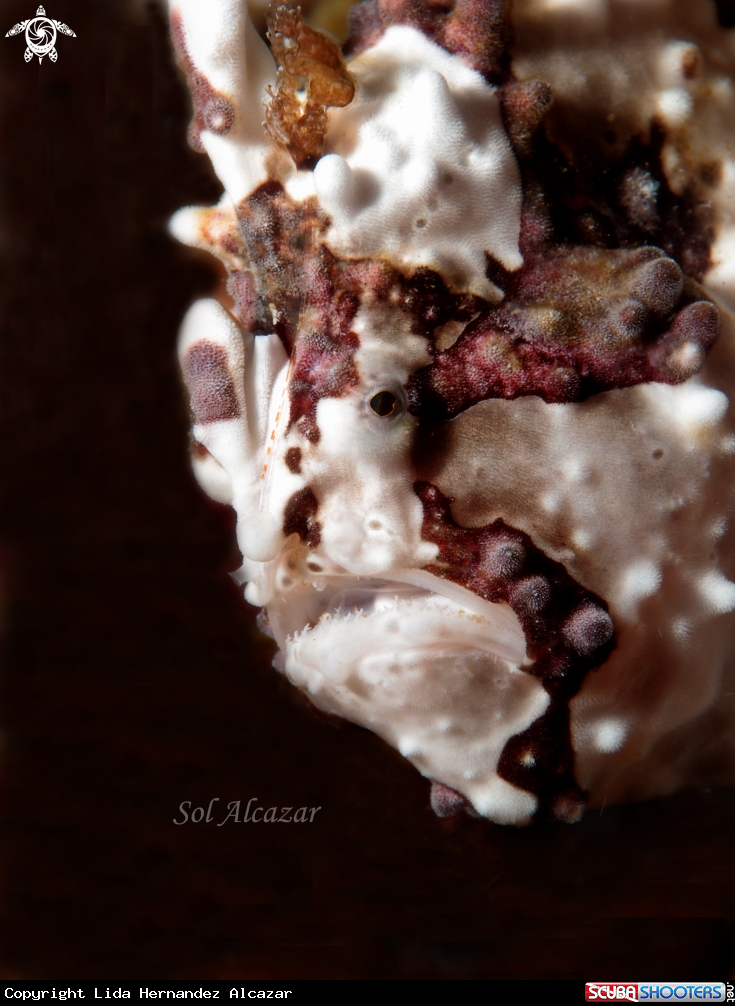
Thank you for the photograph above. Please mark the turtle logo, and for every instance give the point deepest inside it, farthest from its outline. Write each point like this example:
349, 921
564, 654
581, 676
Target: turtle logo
40, 35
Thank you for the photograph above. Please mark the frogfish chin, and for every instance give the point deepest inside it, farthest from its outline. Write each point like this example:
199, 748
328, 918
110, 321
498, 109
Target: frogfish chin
469, 395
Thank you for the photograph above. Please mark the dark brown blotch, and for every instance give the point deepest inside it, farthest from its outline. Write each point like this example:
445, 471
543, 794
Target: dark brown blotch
299, 517
293, 460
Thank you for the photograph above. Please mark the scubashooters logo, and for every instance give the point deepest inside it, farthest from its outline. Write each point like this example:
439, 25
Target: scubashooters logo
654, 991
40, 35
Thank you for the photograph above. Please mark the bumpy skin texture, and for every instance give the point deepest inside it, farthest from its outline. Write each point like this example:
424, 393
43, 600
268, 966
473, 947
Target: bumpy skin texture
470, 396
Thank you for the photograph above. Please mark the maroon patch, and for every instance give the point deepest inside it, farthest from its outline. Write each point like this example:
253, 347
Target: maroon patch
524, 104
199, 450
299, 290
424, 297
280, 242
474, 29
323, 367
293, 460
300, 517
445, 801
568, 633
575, 322
212, 110
207, 375
218, 115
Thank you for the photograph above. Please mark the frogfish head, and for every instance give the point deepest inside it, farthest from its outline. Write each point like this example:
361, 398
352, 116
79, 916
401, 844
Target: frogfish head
474, 422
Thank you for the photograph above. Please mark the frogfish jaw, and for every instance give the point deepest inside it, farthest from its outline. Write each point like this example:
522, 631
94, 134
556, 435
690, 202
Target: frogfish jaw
469, 396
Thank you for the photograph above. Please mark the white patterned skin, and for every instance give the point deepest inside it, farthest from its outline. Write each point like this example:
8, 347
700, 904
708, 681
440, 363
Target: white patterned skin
627, 493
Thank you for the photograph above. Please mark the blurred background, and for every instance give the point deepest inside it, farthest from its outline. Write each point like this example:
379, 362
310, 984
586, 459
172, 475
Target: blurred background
134, 679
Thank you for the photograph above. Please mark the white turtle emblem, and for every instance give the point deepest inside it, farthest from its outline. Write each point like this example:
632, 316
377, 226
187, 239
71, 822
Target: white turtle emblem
40, 35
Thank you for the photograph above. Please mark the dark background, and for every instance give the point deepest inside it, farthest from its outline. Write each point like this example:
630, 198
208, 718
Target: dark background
133, 677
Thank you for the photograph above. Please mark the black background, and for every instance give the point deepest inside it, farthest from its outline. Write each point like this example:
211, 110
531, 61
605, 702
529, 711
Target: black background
133, 677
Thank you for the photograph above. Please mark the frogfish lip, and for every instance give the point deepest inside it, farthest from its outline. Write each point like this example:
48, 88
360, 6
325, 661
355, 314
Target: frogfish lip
409, 608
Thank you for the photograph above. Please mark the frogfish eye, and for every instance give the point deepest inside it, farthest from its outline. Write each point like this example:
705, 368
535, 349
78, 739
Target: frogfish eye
384, 404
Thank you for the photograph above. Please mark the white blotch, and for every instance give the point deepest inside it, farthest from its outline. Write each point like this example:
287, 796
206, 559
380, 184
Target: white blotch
718, 527
641, 579
408, 747
718, 592
681, 629
674, 106
588, 10
609, 735
700, 407
677, 59
574, 469
581, 539
687, 358
721, 277
550, 501
256, 594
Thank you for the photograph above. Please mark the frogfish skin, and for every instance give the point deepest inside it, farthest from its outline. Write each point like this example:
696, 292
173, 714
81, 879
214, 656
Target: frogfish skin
469, 395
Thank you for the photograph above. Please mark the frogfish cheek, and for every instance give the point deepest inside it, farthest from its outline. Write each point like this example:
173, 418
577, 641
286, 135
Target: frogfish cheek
365, 540
343, 545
